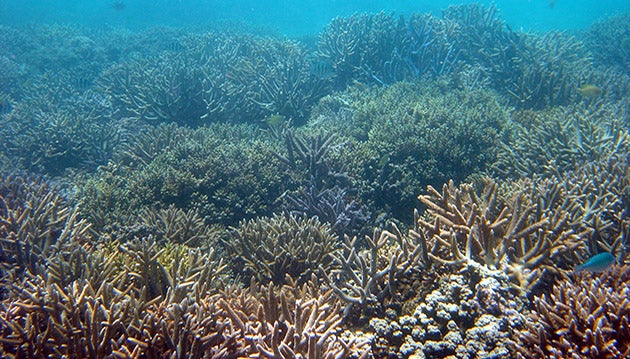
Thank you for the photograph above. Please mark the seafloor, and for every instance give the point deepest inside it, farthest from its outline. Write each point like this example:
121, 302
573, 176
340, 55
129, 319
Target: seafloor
394, 187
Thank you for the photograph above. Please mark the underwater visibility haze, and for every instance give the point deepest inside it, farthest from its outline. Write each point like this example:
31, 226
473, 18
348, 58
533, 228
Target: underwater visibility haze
314, 179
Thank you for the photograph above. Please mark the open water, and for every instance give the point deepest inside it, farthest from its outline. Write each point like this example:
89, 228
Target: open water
293, 18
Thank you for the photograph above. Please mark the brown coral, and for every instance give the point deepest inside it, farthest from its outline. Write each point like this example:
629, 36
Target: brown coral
523, 230
583, 318
290, 321
34, 217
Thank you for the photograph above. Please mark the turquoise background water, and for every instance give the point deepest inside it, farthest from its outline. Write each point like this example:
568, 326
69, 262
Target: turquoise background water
292, 18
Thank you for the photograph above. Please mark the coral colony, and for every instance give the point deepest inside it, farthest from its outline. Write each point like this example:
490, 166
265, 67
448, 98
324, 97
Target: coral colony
407, 187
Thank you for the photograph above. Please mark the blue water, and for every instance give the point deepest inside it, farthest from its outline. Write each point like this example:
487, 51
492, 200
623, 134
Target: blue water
292, 18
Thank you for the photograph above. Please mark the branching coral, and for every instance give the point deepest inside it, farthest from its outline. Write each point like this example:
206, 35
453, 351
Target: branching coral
364, 277
270, 248
47, 319
291, 322
217, 77
357, 46
481, 38
548, 71
166, 88
34, 217
103, 317
526, 232
325, 190
171, 225
276, 77
101, 300
410, 135
609, 42
225, 172
586, 317
561, 139
55, 126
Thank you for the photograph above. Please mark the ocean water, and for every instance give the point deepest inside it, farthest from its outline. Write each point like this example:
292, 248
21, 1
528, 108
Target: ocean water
293, 18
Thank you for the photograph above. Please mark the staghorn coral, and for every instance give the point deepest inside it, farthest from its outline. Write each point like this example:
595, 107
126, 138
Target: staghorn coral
85, 318
216, 77
601, 194
89, 316
409, 135
548, 71
377, 271
609, 42
34, 219
357, 46
325, 189
55, 126
531, 227
562, 139
586, 317
270, 248
525, 233
225, 172
104, 299
170, 225
276, 78
165, 88
482, 39
291, 322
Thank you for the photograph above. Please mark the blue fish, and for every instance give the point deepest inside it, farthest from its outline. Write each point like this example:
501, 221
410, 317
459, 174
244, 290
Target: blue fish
597, 263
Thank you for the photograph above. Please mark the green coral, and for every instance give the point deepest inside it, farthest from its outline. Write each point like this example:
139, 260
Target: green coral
225, 172
415, 134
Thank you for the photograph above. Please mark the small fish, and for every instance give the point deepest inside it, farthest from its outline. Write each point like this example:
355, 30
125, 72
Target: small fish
322, 69
276, 121
597, 263
589, 90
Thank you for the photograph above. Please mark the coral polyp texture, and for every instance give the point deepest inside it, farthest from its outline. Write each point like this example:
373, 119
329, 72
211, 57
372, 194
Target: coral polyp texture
398, 186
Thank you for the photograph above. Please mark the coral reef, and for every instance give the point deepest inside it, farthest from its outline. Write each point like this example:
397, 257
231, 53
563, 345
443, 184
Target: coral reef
226, 173
269, 249
165, 88
548, 71
409, 135
170, 193
586, 317
99, 315
471, 314
217, 77
525, 233
609, 42
562, 139
34, 219
326, 190
291, 322
55, 127
170, 225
